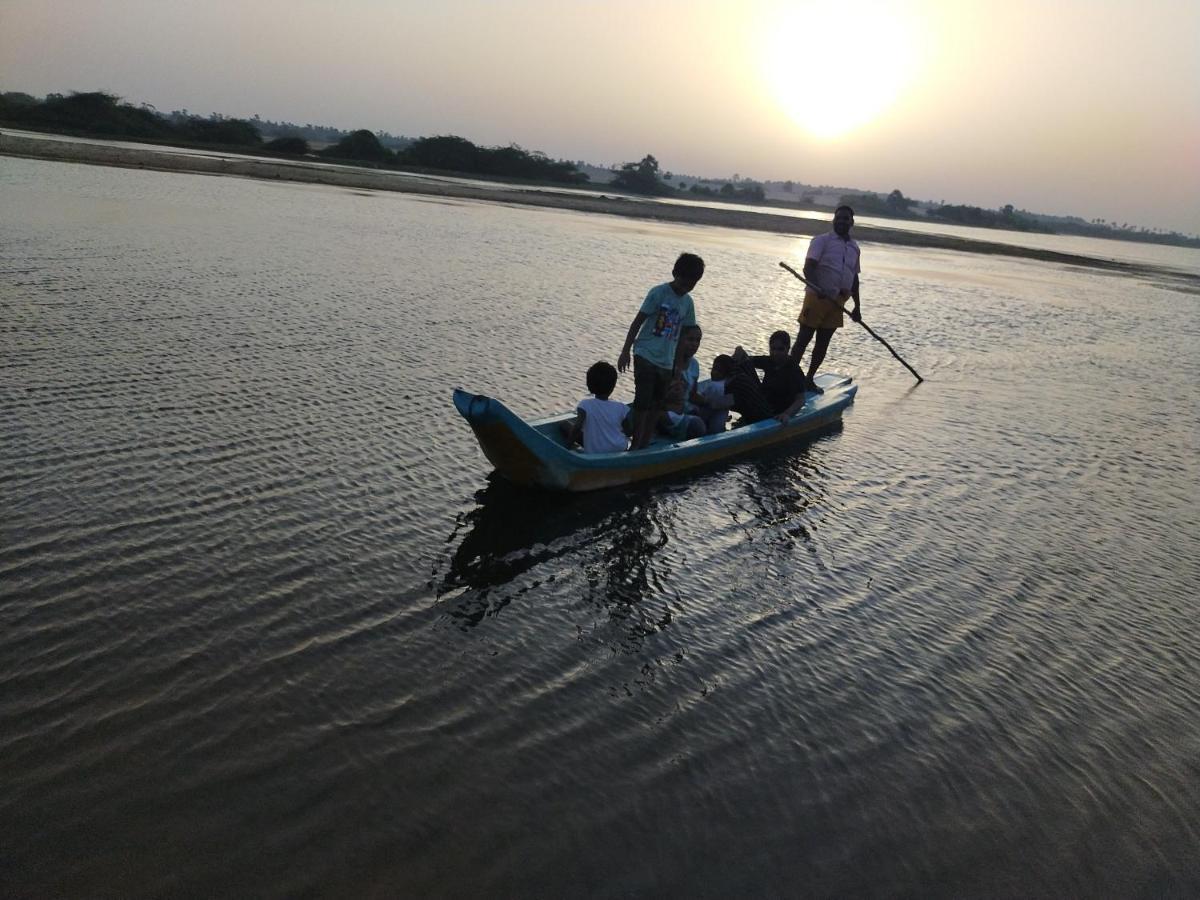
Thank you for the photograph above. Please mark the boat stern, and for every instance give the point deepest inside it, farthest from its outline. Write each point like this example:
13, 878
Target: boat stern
518, 452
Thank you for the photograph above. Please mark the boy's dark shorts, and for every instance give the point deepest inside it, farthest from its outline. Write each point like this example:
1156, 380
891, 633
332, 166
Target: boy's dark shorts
650, 385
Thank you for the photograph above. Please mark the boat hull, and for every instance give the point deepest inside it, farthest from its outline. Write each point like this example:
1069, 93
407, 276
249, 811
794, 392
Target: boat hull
533, 453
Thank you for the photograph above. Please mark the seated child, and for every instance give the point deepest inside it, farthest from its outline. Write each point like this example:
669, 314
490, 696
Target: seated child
739, 381
599, 421
709, 400
678, 421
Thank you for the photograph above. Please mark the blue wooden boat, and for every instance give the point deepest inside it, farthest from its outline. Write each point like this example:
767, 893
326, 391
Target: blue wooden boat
534, 453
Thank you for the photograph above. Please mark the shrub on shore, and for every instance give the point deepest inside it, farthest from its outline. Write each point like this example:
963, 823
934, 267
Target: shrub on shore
642, 177
361, 146
230, 132
288, 146
452, 153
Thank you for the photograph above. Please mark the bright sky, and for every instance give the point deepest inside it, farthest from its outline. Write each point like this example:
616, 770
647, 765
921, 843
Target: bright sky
1090, 107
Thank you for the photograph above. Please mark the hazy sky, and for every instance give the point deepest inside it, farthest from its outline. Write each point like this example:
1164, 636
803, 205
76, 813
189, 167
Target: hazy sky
1089, 107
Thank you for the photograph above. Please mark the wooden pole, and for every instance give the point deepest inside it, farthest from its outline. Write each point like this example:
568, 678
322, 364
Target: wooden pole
860, 322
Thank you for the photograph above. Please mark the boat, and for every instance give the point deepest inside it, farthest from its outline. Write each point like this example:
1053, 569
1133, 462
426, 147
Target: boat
534, 453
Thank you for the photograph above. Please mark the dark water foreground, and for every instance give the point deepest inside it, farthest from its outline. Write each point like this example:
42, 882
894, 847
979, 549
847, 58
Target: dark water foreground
267, 626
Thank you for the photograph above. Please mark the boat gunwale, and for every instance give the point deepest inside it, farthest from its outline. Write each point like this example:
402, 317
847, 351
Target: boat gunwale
840, 392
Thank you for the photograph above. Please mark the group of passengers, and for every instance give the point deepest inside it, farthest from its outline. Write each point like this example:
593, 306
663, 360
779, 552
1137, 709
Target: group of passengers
669, 397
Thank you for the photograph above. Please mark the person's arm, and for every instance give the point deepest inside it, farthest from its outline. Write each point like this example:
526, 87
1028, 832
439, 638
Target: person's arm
627, 423
856, 313
635, 326
675, 398
790, 411
797, 384
678, 365
810, 271
577, 429
743, 363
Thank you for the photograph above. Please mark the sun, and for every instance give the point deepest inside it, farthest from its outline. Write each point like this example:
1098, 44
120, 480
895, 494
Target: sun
834, 68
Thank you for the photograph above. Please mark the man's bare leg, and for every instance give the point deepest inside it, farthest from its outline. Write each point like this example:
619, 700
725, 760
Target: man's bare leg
643, 427
820, 347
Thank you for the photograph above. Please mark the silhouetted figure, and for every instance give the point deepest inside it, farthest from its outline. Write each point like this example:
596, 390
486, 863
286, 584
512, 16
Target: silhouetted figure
653, 336
831, 267
782, 382
599, 423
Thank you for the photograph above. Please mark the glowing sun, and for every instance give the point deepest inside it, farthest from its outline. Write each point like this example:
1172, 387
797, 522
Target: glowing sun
835, 67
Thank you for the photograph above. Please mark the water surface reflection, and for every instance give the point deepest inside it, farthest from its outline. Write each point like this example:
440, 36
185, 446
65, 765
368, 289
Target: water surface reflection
611, 537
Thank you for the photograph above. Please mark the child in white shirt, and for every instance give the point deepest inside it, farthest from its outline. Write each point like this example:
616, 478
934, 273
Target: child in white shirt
715, 402
599, 422
680, 421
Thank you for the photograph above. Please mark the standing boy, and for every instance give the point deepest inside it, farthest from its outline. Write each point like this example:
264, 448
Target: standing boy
831, 267
653, 335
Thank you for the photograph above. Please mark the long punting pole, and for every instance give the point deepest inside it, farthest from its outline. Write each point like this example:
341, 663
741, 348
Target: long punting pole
860, 322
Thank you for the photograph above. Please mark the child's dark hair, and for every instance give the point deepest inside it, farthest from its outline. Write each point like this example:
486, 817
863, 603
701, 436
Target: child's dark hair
723, 363
692, 329
689, 265
780, 337
601, 379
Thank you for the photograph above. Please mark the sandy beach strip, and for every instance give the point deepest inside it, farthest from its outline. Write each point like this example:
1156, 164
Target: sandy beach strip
302, 171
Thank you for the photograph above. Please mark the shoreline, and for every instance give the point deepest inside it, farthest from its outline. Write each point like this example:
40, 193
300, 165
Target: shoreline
335, 175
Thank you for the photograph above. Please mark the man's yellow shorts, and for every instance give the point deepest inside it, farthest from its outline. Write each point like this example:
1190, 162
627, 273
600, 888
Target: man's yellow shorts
819, 313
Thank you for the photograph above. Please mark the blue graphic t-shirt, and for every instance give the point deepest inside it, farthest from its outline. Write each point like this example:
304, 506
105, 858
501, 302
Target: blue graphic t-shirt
666, 315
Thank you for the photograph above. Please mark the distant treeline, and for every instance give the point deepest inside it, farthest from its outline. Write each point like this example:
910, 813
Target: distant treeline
104, 115
1007, 217
101, 114
897, 205
317, 134
645, 177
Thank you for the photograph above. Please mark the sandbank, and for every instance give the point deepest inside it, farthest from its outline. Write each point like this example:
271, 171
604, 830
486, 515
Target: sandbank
313, 172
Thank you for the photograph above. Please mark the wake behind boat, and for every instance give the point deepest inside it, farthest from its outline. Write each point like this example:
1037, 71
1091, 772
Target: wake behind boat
534, 453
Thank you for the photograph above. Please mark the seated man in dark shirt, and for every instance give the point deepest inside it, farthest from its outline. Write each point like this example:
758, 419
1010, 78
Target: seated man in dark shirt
783, 383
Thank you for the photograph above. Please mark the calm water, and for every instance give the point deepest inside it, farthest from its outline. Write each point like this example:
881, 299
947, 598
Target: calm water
268, 627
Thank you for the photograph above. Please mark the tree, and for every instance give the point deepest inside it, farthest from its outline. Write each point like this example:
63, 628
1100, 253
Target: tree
898, 204
215, 130
92, 112
289, 146
359, 145
457, 154
641, 177
18, 98
446, 151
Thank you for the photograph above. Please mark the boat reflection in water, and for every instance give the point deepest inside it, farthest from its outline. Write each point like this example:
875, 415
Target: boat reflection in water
612, 537
612, 550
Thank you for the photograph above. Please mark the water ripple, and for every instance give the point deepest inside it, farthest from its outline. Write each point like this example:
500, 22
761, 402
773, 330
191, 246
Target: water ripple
255, 582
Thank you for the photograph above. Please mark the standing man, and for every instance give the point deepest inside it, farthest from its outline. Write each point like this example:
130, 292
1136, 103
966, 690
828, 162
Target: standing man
831, 268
